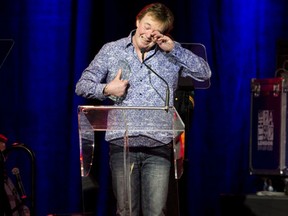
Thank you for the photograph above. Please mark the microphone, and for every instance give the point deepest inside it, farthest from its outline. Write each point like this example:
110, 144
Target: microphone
166, 107
15, 171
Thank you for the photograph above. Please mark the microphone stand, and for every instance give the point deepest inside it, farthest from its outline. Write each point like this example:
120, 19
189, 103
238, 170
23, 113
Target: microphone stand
166, 107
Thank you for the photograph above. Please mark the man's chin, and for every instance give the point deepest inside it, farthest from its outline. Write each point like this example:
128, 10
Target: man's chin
148, 46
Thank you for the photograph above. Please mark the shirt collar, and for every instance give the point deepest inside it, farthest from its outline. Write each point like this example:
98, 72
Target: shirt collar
129, 38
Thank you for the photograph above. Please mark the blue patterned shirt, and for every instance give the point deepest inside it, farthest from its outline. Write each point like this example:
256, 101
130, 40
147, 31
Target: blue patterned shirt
145, 88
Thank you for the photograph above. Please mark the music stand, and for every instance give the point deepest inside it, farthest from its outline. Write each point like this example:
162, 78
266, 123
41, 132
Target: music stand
184, 103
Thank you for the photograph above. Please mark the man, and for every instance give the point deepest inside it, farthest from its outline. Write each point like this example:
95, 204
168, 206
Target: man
125, 71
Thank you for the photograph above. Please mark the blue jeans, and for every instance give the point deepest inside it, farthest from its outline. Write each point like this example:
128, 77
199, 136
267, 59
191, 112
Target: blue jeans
149, 171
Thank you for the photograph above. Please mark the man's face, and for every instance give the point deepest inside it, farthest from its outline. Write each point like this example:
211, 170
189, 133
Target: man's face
147, 27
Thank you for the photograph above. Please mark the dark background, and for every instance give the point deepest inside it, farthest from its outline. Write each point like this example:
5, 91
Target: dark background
55, 40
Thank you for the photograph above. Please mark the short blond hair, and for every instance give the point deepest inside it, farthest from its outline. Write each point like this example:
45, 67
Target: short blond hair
161, 13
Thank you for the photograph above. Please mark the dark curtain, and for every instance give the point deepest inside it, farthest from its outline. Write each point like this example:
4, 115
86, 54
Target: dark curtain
55, 40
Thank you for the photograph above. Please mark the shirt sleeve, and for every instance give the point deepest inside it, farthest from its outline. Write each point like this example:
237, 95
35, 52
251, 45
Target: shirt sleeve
194, 65
91, 82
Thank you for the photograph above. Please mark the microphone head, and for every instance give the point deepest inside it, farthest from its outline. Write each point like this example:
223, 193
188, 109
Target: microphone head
15, 171
143, 50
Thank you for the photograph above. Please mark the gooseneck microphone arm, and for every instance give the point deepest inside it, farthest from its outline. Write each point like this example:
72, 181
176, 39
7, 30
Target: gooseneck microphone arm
167, 86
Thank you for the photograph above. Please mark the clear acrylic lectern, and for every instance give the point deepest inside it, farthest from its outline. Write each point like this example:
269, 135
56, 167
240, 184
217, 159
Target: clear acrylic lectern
119, 123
